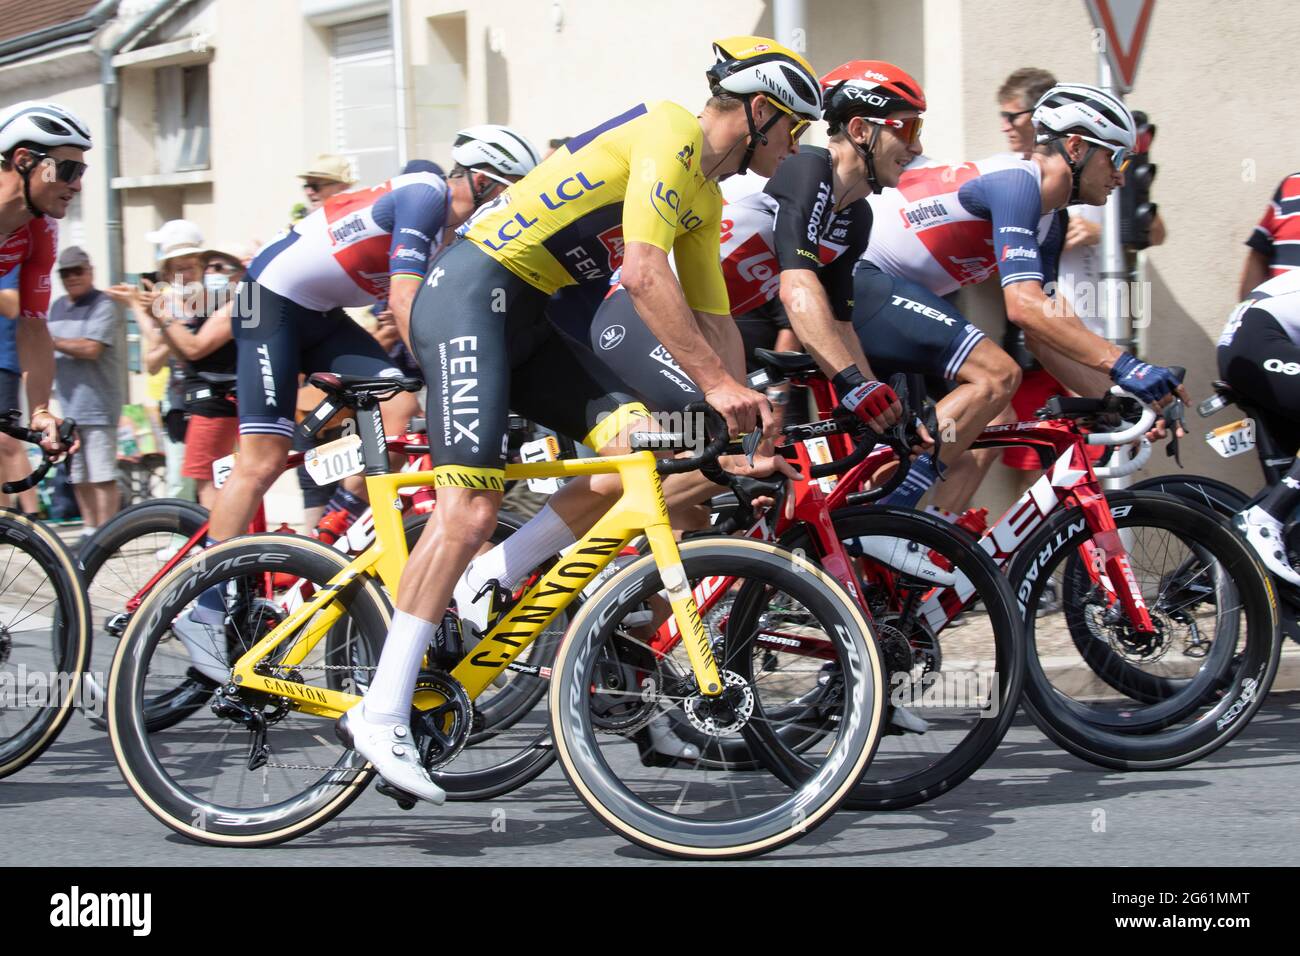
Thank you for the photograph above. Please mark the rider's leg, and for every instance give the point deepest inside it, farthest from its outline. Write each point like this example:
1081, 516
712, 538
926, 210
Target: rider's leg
1254, 358
259, 463
966, 473
985, 382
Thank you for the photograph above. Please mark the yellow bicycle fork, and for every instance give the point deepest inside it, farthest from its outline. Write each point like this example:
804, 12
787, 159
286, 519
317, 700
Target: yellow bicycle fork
640, 509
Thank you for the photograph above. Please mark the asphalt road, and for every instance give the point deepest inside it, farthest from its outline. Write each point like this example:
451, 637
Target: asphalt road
1033, 805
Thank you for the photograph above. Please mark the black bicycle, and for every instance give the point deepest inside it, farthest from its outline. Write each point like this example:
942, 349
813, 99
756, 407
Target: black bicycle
44, 622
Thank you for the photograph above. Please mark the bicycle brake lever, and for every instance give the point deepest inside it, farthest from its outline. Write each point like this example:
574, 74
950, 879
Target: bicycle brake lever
749, 444
1174, 415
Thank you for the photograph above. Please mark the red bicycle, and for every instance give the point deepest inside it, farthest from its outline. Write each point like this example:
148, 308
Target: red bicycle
1150, 627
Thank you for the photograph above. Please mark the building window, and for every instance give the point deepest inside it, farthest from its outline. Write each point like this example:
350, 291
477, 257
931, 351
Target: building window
182, 113
362, 109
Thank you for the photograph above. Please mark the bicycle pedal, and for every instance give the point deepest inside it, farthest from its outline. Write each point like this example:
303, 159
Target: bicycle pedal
399, 796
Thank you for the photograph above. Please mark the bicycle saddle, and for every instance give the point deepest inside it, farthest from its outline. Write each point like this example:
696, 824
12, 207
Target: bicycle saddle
787, 363
345, 386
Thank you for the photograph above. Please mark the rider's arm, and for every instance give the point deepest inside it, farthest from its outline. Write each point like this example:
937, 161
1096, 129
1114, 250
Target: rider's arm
1012, 201
721, 333
414, 213
831, 343
660, 302
1253, 273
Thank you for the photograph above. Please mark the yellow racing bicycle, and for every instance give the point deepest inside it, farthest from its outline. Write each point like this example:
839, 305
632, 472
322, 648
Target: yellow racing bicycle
261, 765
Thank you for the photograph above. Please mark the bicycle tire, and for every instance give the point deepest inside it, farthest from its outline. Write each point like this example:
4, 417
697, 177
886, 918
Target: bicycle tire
1008, 641
70, 639
1126, 737
105, 579
592, 640
140, 753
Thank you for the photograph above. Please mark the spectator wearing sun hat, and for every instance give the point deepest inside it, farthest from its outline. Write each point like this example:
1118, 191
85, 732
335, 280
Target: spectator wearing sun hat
327, 175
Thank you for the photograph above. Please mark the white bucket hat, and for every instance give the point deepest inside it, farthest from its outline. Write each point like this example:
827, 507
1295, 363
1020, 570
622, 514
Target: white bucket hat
177, 237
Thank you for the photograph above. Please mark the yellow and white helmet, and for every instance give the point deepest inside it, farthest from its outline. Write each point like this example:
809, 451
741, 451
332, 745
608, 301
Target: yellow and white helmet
758, 65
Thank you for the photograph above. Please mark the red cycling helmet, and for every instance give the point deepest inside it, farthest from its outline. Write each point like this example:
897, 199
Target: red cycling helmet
868, 88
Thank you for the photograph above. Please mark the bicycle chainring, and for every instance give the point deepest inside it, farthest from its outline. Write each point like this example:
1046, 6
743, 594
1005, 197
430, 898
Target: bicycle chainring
442, 718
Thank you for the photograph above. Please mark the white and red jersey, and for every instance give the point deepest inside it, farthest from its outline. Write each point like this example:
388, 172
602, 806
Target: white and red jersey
949, 226
344, 253
792, 223
33, 247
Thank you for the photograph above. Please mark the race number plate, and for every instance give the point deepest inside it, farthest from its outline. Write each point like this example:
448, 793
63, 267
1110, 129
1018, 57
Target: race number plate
542, 449
1234, 439
221, 469
334, 460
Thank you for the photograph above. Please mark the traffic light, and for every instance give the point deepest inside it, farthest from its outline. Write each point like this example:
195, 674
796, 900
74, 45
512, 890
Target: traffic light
1137, 211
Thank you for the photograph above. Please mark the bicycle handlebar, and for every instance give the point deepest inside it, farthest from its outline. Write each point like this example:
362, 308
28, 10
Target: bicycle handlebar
1130, 434
1126, 466
715, 426
14, 430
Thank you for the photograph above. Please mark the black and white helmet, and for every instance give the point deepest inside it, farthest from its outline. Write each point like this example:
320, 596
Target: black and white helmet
1071, 108
499, 148
46, 124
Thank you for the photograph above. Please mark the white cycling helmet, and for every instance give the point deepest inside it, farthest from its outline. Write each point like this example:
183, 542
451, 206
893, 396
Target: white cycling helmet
499, 148
1071, 108
1102, 119
46, 124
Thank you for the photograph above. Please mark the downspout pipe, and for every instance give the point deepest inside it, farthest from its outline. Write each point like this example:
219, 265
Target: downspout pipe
112, 105
398, 28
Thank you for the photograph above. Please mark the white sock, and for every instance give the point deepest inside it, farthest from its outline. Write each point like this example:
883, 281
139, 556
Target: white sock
948, 516
393, 685
510, 562
87, 531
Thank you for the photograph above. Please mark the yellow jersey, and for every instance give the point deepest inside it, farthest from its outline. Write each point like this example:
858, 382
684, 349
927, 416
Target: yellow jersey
633, 178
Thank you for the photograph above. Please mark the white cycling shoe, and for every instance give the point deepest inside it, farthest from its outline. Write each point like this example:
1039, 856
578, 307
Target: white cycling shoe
904, 719
908, 558
391, 748
666, 742
203, 633
1263, 533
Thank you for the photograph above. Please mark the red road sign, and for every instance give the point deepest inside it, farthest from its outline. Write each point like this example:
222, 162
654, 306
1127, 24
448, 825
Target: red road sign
1125, 24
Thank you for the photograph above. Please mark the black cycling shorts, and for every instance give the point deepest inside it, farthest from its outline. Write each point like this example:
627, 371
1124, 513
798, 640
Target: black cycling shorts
623, 342
906, 328
277, 340
481, 335
1260, 361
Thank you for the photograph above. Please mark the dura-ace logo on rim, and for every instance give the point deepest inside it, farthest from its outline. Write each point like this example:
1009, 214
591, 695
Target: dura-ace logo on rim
1286, 368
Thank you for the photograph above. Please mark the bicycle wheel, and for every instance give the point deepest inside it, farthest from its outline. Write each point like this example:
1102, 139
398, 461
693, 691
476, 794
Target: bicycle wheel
44, 639
208, 778
954, 657
608, 684
117, 562
1216, 640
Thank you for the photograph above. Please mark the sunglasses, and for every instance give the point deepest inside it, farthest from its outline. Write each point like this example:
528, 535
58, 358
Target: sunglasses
72, 272
221, 267
1011, 118
67, 170
797, 125
1120, 156
909, 130
315, 187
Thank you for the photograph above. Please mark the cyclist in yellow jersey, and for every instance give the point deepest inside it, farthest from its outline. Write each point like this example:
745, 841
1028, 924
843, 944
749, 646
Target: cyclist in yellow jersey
622, 195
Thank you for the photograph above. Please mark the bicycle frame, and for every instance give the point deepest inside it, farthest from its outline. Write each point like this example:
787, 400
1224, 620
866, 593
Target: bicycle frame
1069, 481
354, 543
639, 510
